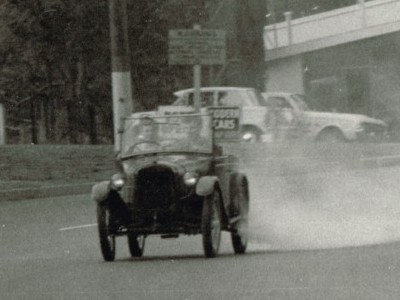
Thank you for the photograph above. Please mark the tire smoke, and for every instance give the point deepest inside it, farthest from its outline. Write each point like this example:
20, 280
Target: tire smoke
325, 209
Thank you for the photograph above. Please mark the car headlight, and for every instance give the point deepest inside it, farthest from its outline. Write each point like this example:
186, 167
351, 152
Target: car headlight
247, 137
190, 178
117, 181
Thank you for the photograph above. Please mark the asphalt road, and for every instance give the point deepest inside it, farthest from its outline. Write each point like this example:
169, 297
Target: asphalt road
316, 236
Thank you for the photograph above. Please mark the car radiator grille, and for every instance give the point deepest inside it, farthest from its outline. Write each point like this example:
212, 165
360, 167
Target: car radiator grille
154, 188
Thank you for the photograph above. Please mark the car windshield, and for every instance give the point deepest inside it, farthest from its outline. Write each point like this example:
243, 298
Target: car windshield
256, 97
300, 102
173, 133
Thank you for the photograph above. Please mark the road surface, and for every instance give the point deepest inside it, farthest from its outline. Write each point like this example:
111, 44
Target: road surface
317, 236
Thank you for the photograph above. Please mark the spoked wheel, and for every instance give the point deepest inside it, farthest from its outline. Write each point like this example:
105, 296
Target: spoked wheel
136, 244
211, 224
107, 239
239, 234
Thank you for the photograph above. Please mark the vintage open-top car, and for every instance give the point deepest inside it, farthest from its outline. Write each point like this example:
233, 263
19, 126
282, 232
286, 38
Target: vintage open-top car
172, 179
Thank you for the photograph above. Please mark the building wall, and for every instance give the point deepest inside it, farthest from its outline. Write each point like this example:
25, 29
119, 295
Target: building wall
285, 75
337, 78
361, 77
340, 67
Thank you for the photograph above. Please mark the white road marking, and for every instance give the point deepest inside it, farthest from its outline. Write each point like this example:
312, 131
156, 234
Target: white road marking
77, 227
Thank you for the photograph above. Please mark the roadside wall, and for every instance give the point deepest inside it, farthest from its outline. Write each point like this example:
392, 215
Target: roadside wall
83, 163
56, 162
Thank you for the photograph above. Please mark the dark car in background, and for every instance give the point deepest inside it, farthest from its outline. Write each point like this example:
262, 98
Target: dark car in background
172, 180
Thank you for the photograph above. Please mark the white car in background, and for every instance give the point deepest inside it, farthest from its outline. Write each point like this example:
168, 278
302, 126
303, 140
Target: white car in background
303, 123
282, 116
253, 112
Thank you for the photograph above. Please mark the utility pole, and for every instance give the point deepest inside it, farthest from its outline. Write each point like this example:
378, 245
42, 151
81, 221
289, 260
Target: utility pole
120, 66
197, 77
2, 125
34, 130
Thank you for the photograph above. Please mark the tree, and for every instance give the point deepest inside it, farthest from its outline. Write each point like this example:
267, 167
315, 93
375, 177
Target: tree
55, 60
54, 41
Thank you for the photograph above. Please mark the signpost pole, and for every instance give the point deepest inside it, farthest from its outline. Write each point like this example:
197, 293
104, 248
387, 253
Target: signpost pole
197, 77
197, 86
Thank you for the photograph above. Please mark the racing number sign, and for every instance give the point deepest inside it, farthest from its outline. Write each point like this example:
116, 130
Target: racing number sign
196, 47
226, 123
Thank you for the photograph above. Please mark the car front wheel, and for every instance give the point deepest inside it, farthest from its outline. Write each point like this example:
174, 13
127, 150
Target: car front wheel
211, 224
136, 244
107, 239
239, 234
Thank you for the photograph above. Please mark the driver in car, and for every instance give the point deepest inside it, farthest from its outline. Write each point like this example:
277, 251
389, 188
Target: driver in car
194, 141
147, 139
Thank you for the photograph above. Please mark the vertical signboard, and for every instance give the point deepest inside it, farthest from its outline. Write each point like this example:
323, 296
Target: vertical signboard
226, 123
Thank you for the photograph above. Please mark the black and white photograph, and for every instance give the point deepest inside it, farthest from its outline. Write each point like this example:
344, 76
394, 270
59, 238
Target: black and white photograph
200, 149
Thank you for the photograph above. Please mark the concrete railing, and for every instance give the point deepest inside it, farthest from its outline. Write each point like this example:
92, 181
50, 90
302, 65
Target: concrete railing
363, 16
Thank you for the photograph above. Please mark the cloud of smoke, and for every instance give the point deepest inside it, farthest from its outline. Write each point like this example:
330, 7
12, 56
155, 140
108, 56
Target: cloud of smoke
324, 209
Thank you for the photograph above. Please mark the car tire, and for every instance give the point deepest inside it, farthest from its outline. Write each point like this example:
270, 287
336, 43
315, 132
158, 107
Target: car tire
136, 244
332, 136
211, 223
239, 233
107, 239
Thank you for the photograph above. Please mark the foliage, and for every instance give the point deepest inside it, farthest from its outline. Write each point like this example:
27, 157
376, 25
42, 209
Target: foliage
53, 55
55, 62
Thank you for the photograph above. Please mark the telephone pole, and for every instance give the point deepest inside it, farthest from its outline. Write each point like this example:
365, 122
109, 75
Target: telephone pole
2, 125
120, 66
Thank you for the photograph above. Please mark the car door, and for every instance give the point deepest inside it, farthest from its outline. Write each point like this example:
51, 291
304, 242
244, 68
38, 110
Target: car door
281, 119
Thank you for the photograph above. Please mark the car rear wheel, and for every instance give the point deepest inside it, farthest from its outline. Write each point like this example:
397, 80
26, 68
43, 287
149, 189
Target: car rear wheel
136, 244
331, 136
211, 224
107, 239
239, 234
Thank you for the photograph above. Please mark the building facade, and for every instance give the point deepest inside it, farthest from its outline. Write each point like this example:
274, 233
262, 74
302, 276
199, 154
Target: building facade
346, 59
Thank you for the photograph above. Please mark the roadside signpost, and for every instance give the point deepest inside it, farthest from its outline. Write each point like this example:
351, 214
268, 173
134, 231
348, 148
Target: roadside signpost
197, 47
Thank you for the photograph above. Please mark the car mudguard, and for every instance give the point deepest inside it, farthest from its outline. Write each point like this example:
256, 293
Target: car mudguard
100, 191
206, 185
235, 180
103, 194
